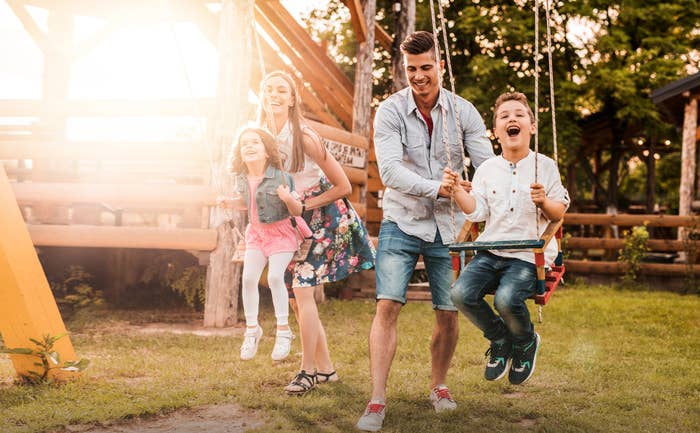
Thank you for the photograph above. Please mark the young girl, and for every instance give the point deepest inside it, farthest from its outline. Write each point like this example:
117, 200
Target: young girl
268, 193
341, 244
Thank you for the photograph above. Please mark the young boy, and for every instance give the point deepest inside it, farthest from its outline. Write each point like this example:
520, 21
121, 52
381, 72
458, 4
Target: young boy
504, 195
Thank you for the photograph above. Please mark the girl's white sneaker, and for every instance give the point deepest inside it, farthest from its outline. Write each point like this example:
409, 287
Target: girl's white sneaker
251, 338
283, 345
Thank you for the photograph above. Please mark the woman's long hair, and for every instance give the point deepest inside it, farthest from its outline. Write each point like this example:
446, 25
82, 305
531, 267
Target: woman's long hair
236, 164
296, 119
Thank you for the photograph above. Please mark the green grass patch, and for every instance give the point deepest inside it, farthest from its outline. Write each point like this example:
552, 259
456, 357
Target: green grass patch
611, 361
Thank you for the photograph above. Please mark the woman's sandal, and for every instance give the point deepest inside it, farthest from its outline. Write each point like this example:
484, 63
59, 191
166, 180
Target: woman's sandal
301, 384
327, 377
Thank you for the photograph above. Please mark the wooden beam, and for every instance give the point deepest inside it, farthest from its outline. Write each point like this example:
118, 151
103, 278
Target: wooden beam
629, 220
37, 148
38, 36
113, 107
383, 38
122, 237
688, 160
340, 135
616, 268
357, 19
314, 68
658, 245
115, 194
28, 309
302, 40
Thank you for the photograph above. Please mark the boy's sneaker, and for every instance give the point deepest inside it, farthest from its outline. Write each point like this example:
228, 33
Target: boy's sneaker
441, 399
251, 338
373, 418
283, 345
499, 359
524, 357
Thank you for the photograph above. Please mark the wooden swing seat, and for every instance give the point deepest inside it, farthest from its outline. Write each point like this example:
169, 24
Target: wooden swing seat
547, 279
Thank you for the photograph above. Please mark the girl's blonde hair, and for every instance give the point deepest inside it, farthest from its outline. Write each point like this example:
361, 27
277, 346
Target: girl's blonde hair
274, 159
296, 119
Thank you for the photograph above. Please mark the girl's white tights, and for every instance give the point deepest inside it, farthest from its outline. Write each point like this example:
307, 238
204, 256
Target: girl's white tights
254, 263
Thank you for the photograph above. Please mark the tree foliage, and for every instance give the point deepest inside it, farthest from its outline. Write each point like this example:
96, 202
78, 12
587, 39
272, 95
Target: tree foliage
608, 56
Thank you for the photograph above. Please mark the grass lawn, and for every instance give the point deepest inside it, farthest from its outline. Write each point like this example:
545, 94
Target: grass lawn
611, 361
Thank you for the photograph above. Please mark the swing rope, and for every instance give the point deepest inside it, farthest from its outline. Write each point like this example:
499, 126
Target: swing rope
443, 114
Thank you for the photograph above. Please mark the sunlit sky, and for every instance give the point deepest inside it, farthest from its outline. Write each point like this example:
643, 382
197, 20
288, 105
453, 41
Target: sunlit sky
163, 60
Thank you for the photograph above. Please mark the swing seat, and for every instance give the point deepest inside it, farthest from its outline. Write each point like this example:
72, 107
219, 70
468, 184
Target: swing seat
552, 279
498, 245
547, 279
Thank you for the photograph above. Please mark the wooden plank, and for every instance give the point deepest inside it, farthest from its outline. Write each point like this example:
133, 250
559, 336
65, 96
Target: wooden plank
374, 215
332, 90
28, 309
112, 107
339, 135
383, 38
30, 26
122, 237
374, 184
497, 245
615, 268
115, 194
357, 19
548, 233
302, 40
37, 148
659, 245
688, 159
629, 220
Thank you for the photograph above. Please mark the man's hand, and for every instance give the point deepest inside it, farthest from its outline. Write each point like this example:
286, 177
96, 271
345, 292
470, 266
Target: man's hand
450, 181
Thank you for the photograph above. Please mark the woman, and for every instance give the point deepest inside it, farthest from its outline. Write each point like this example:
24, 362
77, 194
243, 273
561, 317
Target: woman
341, 244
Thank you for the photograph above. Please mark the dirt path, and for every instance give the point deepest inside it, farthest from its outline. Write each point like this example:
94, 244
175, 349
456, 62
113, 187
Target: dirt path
225, 418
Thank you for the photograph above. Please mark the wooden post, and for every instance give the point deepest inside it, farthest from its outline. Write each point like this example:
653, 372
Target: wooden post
362, 110
404, 25
688, 159
28, 309
56, 77
235, 52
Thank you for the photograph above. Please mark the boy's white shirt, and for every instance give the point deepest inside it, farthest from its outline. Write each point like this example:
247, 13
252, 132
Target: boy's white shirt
502, 193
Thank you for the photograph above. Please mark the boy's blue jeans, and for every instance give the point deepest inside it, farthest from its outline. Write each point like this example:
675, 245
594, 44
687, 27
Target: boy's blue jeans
513, 281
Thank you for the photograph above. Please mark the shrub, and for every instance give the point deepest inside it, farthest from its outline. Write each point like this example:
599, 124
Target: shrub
48, 359
634, 250
75, 291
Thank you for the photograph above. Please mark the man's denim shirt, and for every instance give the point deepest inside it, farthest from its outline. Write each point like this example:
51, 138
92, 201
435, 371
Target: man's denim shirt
270, 207
411, 162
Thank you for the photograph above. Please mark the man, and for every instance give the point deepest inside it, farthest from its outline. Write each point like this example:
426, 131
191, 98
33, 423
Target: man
418, 219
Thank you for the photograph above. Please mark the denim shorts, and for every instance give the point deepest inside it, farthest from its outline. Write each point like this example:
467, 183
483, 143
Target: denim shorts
397, 255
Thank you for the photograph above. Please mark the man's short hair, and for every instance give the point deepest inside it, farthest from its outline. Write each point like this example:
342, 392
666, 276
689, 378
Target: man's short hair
418, 43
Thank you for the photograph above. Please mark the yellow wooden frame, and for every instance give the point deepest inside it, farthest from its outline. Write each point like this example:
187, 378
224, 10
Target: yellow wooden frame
28, 308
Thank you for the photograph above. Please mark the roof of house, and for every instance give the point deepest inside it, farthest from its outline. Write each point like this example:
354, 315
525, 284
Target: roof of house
670, 97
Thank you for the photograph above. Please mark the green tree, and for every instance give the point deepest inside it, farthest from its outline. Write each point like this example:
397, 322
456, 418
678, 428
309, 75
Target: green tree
636, 47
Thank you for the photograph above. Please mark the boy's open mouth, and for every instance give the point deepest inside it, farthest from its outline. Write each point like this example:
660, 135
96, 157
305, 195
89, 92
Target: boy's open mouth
513, 131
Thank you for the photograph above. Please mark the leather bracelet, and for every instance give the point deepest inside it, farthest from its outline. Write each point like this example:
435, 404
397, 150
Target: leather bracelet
303, 206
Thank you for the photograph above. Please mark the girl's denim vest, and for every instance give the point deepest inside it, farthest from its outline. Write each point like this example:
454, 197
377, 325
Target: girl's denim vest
270, 207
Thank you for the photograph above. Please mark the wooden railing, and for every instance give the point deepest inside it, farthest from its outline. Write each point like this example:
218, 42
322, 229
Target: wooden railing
623, 221
65, 187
